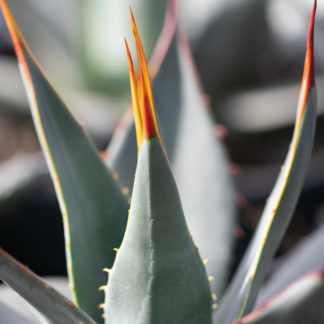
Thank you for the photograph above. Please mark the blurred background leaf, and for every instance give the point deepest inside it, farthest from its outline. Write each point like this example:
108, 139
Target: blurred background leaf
300, 302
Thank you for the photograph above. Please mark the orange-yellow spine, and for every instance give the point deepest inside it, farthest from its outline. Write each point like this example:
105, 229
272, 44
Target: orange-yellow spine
142, 95
16, 37
135, 100
308, 81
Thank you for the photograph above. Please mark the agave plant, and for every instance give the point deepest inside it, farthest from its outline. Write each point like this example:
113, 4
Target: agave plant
156, 273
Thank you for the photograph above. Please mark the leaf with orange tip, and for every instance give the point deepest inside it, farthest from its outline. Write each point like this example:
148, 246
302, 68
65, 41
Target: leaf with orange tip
242, 292
93, 207
204, 184
158, 264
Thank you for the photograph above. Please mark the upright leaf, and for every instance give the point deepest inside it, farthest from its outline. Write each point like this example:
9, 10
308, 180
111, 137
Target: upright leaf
158, 276
55, 307
197, 157
242, 292
93, 208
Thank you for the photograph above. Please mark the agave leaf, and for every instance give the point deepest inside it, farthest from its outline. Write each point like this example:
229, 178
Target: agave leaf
158, 276
9, 316
93, 208
55, 307
301, 302
241, 294
188, 133
307, 256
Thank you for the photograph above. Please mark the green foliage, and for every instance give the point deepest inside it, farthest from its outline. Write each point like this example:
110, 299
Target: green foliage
55, 307
185, 124
158, 275
157, 261
78, 172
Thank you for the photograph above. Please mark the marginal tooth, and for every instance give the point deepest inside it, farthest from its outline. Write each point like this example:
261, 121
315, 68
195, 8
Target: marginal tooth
214, 306
206, 261
102, 288
125, 191
106, 270
214, 297
211, 278
115, 176
101, 306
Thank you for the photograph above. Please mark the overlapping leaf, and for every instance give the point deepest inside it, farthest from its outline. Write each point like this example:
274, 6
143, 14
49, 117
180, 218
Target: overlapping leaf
197, 158
94, 210
55, 307
307, 256
242, 292
301, 302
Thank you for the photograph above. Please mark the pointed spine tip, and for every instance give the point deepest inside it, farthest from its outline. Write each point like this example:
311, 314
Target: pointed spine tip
310, 46
308, 80
102, 288
142, 95
14, 32
125, 190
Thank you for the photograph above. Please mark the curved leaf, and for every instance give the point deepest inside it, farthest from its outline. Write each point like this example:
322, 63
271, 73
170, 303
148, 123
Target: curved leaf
187, 131
241, 294
301, 302
55, 307
307, 256
93, 208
